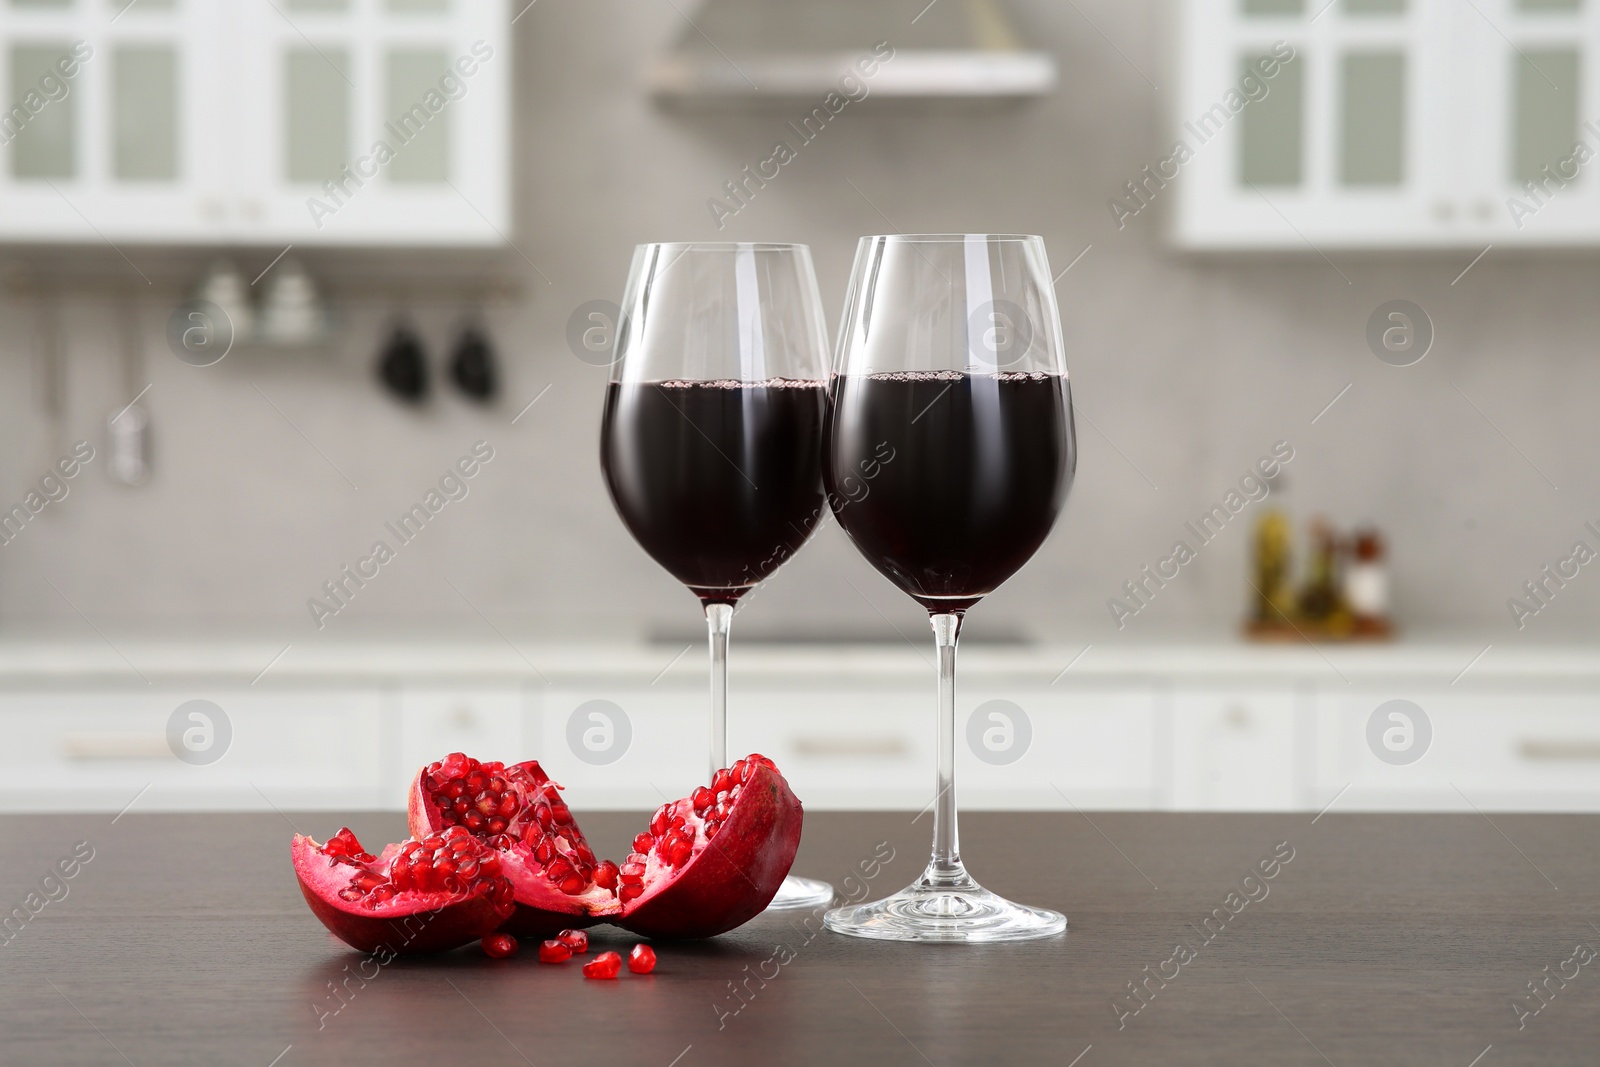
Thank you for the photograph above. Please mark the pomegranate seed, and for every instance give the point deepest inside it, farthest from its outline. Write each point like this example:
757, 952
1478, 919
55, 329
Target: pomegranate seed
387, 890
605, 965
605, 875
497, 825
561, 813
455, 789
554, 952
642, 960
680, 849
628, 891
658, 821
352, 892
721, 781
702, 798
473, 821
576, 940
500, 946
739, 770
643, 842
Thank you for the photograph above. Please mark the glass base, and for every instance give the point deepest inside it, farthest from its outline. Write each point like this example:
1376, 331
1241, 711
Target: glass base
945, 906
802, 893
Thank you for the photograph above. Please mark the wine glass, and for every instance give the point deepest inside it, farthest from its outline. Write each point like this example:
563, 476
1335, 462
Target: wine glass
949, 403
711, 438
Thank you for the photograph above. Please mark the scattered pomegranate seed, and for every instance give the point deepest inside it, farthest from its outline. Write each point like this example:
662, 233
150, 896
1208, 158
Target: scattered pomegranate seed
499, 946
554, 952
576, 940
642, 960
605, 965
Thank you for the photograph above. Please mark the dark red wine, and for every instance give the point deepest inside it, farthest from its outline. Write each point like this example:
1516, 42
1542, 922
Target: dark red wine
948, 482
719, 481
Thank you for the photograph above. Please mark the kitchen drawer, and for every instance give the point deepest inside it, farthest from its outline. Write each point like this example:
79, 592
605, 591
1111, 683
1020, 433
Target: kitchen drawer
484, 722
1239, 748
101, 749
865, 747
1090, 747
1506, 749
622, 746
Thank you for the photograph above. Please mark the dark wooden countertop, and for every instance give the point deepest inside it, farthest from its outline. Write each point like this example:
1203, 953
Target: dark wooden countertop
1386, 939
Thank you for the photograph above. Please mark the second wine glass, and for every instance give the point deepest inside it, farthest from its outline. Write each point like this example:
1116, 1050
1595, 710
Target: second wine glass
950, 391
711, 435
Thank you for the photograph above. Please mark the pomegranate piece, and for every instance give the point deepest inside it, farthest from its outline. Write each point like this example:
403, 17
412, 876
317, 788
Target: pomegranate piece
420, 895
605, 965
642, 960
576, 940
706, 863
499, 946
554, 951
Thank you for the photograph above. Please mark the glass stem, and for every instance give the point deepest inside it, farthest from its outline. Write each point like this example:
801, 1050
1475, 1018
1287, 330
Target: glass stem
945, 866
718, 619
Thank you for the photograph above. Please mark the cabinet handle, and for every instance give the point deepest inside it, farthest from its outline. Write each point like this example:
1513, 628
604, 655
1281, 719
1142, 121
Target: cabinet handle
824, 745
97, 746
1560, 750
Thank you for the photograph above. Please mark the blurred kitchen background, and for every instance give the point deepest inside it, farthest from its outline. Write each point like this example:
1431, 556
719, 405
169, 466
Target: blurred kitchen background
1338, 158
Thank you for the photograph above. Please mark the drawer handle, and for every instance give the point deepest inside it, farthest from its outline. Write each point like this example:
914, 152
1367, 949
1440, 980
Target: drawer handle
96, 746
822, 745
1569, 750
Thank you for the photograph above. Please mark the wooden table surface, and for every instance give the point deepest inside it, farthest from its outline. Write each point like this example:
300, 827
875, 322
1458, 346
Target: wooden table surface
1385, 939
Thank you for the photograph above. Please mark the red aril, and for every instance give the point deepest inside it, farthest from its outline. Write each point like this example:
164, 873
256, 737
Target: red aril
499, 946
642, 960
605, 965
421, 895
706, 863
576, 940
554, 951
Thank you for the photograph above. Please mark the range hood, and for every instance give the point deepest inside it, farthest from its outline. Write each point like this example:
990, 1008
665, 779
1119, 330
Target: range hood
744, 52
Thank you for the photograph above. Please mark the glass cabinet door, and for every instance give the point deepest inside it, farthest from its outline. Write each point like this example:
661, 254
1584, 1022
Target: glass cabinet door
376, 121
102, 132
1310, 122
1533, 176
354, 122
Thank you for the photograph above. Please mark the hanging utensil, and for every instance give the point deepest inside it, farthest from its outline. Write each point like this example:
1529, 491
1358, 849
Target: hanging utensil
473, 366
402, 367
128, 428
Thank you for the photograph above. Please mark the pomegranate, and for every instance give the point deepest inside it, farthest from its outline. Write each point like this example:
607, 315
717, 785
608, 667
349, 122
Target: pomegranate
642, 960
428, 895
706, 864
499, 946
605, 965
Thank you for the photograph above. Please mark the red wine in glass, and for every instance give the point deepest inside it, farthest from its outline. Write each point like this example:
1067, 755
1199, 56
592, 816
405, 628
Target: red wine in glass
981, 467
720, 481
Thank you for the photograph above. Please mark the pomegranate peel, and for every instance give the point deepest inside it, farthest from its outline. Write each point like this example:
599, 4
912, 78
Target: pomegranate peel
416, 896
706, 864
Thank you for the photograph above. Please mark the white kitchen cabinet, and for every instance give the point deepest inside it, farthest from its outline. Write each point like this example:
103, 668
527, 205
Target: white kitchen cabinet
1497, 748
1398, 123
485, 722
213, 122
106, 749
1238, 748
